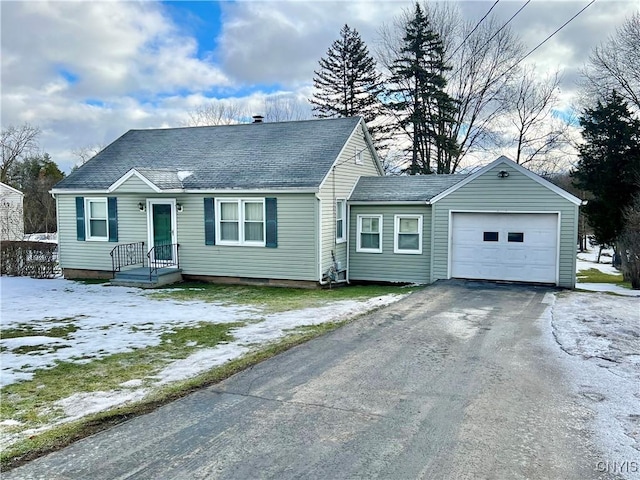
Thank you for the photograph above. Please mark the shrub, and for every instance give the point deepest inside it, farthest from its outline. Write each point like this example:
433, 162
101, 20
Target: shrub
32, 259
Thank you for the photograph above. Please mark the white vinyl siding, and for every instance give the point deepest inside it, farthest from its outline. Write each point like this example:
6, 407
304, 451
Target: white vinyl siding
96, 219
240, 222
369, 234
407, 234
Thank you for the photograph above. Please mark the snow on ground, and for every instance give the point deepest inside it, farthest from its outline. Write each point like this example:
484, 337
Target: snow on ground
119, 319
600, 337
587, 260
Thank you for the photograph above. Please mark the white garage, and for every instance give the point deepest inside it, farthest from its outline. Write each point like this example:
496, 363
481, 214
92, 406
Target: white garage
519, 247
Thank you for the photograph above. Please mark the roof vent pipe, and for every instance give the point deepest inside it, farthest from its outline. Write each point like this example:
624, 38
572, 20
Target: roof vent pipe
257, 118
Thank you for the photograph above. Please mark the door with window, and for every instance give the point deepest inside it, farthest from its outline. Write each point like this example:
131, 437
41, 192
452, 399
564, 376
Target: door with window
162, 230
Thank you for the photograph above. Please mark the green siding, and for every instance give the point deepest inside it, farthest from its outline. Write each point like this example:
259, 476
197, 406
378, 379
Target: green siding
388, 266
516, 193
338, 185
134, 184
295, 257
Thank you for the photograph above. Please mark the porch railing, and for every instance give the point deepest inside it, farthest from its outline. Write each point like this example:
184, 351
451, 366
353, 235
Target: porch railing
127, 254
163, 256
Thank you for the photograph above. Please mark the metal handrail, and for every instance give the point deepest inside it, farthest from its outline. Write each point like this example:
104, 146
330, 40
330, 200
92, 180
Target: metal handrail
127, 254
163, 256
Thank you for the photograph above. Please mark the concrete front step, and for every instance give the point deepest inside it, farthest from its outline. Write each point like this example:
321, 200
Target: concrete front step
139, 277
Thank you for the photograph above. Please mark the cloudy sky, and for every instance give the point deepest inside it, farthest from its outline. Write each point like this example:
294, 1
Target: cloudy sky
86, 72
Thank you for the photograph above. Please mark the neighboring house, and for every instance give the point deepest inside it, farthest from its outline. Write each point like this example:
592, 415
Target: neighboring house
302, 203
11, 213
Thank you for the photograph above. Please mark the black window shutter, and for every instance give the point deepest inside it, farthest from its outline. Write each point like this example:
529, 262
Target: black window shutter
112, 215
80, 231
271, 206
209, 222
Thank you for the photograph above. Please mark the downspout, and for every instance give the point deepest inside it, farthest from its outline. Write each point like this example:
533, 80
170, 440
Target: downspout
433, 223
319, 206
347, 222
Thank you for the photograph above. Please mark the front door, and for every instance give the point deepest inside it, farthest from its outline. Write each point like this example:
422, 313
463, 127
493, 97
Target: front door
162, 229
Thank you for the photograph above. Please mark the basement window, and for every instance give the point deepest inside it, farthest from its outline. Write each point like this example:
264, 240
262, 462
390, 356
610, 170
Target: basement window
490, 236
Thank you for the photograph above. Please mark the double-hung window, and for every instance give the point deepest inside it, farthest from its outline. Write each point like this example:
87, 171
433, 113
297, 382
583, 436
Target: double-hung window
369, 234
241, 222
97, 223
408, 234
341, 234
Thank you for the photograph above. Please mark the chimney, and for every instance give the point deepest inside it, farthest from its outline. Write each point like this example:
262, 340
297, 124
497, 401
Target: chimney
258, 118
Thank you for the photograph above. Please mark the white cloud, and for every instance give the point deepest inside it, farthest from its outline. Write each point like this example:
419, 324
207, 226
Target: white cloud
86, 72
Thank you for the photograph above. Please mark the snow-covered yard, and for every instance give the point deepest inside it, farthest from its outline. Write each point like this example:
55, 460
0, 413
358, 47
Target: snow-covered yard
94, 321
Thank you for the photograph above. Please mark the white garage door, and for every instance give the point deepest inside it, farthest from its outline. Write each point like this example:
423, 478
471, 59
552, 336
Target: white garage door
505, 246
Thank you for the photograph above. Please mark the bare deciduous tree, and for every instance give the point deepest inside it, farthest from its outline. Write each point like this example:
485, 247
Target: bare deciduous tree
615, 65
86, 153
218, 112
532, 132
16, 142
283, 108
481, 57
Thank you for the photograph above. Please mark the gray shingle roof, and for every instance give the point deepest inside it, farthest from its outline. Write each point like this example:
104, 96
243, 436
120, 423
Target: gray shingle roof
413, 188
284, 155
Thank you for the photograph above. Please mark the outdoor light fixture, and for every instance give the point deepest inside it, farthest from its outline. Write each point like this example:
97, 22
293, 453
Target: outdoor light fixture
503, 174
179, 206
141, 206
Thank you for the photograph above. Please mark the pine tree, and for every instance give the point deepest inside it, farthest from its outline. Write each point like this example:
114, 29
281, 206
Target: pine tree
417, 95
609, 165
347, 83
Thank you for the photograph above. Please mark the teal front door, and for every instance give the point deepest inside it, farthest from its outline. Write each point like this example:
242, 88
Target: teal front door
162, 222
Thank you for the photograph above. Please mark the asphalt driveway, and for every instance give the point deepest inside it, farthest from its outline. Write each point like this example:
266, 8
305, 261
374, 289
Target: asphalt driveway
454, 381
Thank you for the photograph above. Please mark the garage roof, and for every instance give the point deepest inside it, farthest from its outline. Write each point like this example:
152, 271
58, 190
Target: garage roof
402, 189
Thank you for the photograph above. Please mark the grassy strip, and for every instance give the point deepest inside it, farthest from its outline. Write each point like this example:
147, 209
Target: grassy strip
593, 275
63, 435
272, 299
30, 402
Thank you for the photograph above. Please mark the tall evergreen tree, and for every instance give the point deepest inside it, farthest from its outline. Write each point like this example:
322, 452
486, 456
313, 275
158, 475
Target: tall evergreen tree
609, 165
347, 82
417, 96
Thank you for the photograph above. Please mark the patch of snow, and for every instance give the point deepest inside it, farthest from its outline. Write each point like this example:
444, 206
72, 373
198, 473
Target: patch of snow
41, 237
607, 287
136, 382
32, 341
182, 174
10, 423
80, 404
599, 338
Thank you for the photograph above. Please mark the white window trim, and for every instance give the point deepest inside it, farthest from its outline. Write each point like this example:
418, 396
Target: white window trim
343, 210
396, 233
87, 218
241, 221
358, 238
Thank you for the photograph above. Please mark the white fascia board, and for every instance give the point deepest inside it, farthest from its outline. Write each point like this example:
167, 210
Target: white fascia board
127, 176
11, 189
68, 191
507, 161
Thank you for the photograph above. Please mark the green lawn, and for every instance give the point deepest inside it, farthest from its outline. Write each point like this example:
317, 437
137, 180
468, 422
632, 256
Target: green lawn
593, 275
